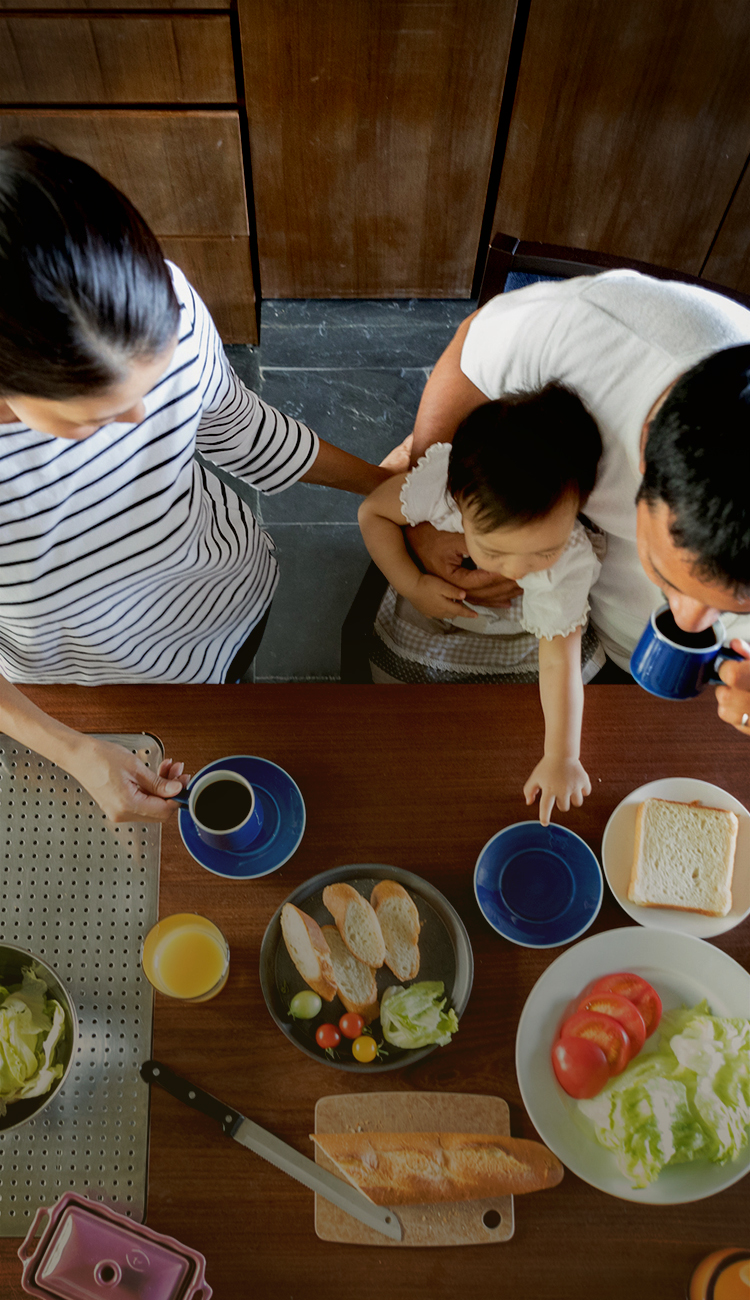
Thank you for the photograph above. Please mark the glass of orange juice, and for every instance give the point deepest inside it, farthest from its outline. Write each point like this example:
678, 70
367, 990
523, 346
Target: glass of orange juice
187, 957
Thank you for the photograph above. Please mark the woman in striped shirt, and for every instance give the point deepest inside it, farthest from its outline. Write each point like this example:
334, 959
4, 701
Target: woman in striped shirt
121, 559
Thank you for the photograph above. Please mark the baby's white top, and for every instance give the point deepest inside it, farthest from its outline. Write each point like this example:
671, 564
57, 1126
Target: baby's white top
555, 601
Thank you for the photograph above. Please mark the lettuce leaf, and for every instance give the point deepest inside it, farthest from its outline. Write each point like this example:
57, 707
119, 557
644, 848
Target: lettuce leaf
690, 1100
31, 1027
414, 1017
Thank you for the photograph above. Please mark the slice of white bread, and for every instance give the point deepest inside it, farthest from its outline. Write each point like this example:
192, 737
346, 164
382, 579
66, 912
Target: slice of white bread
421, 1168
355, 981
356, 922
683, 857
399, 921
306, 945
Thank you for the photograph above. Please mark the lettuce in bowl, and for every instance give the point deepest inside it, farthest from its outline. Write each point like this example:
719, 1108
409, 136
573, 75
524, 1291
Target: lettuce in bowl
32, 1028
414, 1017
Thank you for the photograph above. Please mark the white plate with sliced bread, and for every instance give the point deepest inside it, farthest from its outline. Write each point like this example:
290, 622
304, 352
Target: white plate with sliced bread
304, 923
683, 970
632, 872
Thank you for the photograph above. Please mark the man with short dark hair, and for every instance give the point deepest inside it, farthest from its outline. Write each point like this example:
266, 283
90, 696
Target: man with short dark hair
664, 368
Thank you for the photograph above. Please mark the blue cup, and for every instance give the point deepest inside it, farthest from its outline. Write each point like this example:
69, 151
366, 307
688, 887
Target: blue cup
676, 665
223, 808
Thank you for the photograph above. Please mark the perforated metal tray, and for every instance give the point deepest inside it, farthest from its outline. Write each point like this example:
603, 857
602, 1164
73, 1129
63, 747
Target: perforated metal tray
81, 893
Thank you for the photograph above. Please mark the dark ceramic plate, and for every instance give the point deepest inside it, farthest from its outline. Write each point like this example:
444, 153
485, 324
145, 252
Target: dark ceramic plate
445, 954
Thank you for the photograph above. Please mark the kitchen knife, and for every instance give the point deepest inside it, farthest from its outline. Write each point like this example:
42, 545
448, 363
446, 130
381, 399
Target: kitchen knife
271, 1148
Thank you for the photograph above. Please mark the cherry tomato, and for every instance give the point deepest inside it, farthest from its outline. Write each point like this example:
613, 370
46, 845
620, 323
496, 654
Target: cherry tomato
606, 1033
327, 1036
638, 990
622, 1009
580, 1066
364, 1048
351, 1025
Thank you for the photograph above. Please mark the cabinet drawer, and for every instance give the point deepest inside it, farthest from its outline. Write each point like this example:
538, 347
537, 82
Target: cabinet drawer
221, 272
182, 170
108, 59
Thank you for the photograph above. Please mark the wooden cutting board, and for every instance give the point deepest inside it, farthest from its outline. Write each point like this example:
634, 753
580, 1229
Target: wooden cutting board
460, 1223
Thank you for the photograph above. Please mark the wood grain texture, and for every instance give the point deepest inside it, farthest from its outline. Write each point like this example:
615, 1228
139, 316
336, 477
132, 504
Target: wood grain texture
221, 271
182, 170
630, 127
31, 5
420, 778
729, 260
372, 125
124, 59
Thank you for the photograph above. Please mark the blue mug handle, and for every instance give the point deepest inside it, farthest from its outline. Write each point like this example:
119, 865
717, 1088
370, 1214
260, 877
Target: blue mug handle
726, 654
183, 798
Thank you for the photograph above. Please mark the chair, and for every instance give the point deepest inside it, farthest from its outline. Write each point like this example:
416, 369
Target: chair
506, 256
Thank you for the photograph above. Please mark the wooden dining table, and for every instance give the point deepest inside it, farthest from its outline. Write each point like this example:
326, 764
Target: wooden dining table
418, 778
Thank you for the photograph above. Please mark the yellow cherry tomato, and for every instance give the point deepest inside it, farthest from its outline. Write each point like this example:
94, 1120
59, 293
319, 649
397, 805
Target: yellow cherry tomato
364, 1048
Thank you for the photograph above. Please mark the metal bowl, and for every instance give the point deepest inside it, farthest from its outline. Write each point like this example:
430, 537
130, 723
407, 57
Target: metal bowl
12, 961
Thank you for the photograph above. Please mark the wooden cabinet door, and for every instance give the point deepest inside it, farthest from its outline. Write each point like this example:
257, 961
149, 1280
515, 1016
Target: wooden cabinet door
630, 127
372, 126
729, 260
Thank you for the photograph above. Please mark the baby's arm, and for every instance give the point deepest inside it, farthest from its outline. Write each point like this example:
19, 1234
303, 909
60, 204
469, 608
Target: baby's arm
381, 520
559, 777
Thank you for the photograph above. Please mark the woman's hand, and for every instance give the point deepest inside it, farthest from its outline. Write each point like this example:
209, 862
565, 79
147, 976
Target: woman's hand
734, 698
443, 554
121, 783
561, 781
437, 599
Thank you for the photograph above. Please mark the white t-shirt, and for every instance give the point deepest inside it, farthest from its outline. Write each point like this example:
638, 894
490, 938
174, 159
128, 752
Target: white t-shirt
555, 601
617, 340
121, 558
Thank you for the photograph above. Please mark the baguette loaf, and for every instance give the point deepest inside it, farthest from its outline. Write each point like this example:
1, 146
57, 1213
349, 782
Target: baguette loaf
423, 1168
399, 921
309, 951
356, 922
683, 857
355, 981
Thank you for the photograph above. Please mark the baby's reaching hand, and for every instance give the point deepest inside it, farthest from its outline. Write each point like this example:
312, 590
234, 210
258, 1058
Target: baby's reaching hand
436, 598
561, 781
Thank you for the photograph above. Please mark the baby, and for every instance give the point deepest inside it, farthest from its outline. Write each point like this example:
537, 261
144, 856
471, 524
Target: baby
513, 482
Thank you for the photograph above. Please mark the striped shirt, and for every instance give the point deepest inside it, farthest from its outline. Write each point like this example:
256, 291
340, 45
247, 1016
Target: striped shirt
121, 559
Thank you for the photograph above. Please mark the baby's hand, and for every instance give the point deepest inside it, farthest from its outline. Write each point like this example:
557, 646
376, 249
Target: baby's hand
436, 598
561, 781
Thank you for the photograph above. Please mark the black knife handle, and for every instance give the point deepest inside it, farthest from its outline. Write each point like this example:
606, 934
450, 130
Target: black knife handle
155, 1072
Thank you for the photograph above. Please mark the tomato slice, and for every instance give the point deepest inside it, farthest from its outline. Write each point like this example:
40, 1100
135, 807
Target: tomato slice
622, 1009
580, 1066
638, 990
605, 1032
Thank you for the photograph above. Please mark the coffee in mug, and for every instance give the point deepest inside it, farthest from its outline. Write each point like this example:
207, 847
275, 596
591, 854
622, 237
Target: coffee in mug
224, 809
676, 665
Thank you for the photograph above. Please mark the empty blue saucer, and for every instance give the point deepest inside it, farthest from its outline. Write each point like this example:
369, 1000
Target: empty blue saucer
538, 886
282, 829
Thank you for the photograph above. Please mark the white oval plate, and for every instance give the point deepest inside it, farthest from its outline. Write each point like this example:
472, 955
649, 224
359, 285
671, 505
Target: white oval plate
683, 970
617, 857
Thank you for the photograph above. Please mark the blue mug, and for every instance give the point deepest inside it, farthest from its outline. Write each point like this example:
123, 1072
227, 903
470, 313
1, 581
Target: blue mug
224, 809
676, 665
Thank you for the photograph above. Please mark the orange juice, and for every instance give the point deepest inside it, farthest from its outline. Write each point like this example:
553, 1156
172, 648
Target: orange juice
186, 956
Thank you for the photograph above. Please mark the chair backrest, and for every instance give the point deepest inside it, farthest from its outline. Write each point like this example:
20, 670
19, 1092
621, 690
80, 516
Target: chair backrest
506, 254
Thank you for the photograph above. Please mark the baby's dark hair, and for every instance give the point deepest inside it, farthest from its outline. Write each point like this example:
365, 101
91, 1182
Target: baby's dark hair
513, 460
84, 288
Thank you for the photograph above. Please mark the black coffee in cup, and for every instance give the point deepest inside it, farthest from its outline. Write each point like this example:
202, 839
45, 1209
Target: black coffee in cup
688, 640
223, 804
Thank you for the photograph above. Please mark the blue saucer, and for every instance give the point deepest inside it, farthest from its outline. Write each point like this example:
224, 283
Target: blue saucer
539, 886
282, 829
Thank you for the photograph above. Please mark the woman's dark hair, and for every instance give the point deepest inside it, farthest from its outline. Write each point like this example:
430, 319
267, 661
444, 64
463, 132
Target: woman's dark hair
84, 288
514, 459
697, 456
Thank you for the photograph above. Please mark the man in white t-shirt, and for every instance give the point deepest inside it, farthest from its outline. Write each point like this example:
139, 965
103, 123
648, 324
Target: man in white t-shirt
622, 341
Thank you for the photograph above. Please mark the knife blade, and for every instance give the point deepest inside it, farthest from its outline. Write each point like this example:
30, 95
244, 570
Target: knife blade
278, 1153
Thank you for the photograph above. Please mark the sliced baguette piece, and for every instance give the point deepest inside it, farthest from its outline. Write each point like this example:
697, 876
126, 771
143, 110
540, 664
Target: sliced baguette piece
683, 857
309, 951
422, 1168
399, 921
356, 922
355, 981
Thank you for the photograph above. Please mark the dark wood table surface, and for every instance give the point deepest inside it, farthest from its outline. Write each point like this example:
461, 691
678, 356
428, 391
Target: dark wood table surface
419, 778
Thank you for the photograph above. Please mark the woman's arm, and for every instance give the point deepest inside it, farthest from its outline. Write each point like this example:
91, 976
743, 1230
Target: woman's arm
447, 399
381, 520
118, 780
335, 468
559, 777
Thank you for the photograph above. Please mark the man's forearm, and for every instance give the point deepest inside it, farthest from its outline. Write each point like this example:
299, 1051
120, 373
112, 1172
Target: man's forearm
336, 468
447, 399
